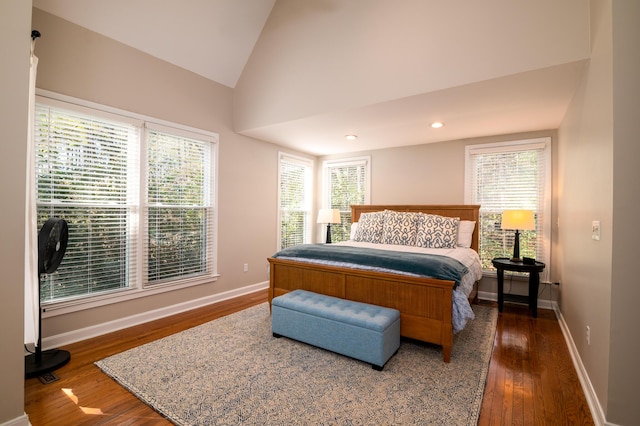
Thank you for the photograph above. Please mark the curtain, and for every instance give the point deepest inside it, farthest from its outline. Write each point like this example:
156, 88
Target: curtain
31, 291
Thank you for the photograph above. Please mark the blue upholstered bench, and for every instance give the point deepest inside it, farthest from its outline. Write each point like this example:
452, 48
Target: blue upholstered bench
358, 330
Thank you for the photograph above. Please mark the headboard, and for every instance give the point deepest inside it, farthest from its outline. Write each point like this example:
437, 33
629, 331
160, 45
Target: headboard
463, 211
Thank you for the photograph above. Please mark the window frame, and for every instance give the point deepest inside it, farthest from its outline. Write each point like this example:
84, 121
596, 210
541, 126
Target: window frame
327, 165
543, 241
309, 166
140, 288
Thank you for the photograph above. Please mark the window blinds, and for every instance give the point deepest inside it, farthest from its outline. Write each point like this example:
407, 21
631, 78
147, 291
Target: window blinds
347, 183
179, 211
295, 201
138, 197
509, 176
85, 169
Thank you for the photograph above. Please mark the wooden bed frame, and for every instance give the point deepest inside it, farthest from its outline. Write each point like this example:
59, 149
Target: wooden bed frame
425, 304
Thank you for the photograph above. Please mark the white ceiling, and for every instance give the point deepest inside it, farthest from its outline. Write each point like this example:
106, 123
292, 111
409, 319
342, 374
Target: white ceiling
215, 39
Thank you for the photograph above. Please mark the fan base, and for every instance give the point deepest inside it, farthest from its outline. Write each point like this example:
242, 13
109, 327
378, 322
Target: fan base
49, 361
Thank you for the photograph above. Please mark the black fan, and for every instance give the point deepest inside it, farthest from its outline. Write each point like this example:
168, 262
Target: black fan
52, 243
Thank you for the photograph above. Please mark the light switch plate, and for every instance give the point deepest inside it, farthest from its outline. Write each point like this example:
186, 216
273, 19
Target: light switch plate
595, 230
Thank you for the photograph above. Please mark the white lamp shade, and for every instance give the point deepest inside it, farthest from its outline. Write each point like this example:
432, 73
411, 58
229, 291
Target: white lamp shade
518, 219
329, 216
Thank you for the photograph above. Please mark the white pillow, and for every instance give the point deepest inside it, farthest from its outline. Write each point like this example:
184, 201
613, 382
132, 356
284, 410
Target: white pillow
354, 228
465, 232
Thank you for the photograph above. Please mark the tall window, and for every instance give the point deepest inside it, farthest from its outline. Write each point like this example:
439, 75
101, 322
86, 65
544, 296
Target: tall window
137, 198
346, 182
179, 208
505, 176
295, 191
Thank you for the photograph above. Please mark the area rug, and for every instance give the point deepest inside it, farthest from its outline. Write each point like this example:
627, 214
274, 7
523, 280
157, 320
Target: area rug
231, 371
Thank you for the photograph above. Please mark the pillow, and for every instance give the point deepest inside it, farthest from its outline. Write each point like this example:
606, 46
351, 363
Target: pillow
354, 227
400, 228
370, 227
437, 231
465, 232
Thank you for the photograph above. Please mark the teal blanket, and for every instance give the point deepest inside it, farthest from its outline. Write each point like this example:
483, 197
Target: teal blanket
426, 265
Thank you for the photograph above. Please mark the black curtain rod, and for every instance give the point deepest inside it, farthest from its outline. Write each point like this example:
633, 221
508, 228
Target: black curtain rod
35, 34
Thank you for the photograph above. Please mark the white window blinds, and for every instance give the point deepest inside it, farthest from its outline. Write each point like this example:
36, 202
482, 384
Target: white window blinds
504, 176
295, 192
138, 198
84, 168
346, 183
179, 210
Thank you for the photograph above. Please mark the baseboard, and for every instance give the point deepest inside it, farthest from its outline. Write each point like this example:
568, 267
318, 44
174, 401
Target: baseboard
589, 392
493, 297
122, 323
23, 420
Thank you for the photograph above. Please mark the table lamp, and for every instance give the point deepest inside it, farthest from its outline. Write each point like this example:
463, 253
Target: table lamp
329, 216
518, 220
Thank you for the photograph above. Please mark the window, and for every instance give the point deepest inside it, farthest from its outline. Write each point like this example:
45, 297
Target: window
510, 175
137, 197
346, 182
179, 208
295, 192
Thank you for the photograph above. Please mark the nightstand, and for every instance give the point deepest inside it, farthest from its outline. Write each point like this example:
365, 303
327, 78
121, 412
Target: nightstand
505, 264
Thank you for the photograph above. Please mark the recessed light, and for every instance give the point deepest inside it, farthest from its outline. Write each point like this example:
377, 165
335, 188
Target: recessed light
437, 124
351, 137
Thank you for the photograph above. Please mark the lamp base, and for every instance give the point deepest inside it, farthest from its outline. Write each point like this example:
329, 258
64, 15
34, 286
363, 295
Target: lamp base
328, 240
49, 361
516, 248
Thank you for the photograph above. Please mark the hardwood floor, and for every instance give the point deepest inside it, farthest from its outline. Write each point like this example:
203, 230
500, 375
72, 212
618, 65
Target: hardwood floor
531, 377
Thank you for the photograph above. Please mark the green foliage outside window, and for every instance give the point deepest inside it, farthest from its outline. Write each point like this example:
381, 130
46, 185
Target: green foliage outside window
347, 187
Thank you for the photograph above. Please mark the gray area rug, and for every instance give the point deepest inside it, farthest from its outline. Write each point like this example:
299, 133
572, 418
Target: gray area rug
232, 371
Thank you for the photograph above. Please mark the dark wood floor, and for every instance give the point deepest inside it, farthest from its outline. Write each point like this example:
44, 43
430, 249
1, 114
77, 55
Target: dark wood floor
531, 377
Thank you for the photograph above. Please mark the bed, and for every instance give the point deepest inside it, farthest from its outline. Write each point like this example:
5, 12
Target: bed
426, 304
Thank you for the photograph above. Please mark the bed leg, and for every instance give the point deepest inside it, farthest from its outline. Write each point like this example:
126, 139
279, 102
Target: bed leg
446, 353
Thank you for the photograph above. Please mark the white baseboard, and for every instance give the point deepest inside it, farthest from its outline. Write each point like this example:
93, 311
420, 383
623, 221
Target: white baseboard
122, 323
589, 392
542, 303
23, 420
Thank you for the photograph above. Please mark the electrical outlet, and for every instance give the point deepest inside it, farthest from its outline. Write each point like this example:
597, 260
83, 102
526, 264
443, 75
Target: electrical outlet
588, 335
245, 267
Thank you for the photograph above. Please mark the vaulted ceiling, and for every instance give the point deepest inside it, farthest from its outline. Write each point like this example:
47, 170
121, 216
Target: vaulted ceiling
306, 73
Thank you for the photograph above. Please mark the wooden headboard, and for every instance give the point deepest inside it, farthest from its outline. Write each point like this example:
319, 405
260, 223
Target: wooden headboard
463, 211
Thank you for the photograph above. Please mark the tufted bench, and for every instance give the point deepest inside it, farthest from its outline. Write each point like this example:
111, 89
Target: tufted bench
358, 330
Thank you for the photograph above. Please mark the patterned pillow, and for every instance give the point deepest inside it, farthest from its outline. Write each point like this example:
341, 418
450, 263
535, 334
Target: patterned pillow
437, 231
400, 228
370, 227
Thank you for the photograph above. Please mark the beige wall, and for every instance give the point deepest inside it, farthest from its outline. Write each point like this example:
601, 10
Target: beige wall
15, 27
83, 64
598, 171
624, 348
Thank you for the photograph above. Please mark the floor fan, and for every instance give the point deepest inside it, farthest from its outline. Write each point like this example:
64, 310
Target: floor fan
52, 243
